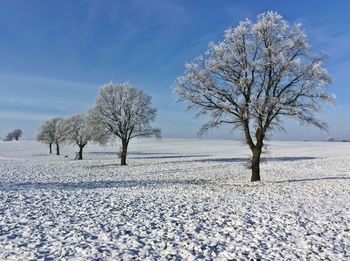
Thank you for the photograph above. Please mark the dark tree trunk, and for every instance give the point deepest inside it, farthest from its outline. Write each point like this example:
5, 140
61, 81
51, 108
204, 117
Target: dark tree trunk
80, 156
123, 152
255, 164
50, 146
16, 138
57, 149
256, 150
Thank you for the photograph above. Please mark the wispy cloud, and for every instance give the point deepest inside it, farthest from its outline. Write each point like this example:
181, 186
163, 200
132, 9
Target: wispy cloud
11, 115
27, 92
37, 81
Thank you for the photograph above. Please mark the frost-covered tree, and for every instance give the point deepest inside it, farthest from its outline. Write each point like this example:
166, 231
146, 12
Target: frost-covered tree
50, 134
60, 134
124, 111
17, 134
9, 137
44, 135
260, 73
78, 131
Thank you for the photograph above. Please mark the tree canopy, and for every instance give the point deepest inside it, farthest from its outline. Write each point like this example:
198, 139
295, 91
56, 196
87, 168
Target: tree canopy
260, 73
124, 111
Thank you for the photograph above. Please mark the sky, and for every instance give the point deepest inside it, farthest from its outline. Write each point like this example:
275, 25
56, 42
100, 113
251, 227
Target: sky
55, 55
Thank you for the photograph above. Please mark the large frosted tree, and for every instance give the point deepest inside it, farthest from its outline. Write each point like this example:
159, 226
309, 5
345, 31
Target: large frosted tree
125, 112
78, 131
259, 74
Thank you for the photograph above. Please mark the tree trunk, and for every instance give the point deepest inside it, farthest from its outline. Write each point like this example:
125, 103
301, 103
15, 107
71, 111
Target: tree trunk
50, 146
16, 138
123, 152
256, 164
57, 149
80, 156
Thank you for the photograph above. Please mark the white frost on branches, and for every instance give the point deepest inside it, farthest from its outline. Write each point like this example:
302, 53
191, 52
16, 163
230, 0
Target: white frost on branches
48, 132
258, 73
78, 131
52, 132
124, 111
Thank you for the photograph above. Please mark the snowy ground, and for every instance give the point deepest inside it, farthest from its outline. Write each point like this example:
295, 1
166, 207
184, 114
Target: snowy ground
177, 199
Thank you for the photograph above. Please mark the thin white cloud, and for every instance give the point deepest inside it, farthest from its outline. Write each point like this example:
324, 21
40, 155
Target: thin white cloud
27, 80
42, 94
11, 115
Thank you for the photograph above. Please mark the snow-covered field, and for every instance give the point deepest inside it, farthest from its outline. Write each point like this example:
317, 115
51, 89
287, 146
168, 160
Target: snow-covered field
177, 199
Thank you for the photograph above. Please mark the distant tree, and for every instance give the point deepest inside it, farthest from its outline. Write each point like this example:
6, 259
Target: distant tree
49, 134
258, 74
9, 137
124, 111
17, 134
60, 134
46, 133
79, 132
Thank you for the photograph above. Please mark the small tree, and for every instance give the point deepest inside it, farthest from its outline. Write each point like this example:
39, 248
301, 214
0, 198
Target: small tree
9, 137
60, 134
17, 134
258, 74
49, 134
79, 132
124, 111
43, 136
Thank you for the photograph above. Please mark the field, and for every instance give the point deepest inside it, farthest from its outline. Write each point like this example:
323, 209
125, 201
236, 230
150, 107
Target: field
177, 199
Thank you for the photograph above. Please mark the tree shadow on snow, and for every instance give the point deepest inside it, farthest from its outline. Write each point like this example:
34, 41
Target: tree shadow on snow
180, 161
144, 155
288, 158
171, 157
262, 159
313, 179
129, 153
101, 153
96, 184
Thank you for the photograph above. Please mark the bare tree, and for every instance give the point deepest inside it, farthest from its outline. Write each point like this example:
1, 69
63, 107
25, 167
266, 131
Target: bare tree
49, 134
79, 132
257, 75
17, 134
125, 112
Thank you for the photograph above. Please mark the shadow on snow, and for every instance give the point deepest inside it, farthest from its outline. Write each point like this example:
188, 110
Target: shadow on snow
171, 157
207, 160
314, 179
262, 159
135, 155
93, 184
128, 184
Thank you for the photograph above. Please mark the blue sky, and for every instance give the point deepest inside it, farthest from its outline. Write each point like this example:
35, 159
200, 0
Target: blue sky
54, 56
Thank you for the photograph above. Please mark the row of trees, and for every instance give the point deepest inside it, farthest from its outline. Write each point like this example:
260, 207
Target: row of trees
14, 135
259, 74
121, 112
72, 130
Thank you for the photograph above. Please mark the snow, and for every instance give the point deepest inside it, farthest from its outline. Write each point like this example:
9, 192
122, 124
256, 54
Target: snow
176, 199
